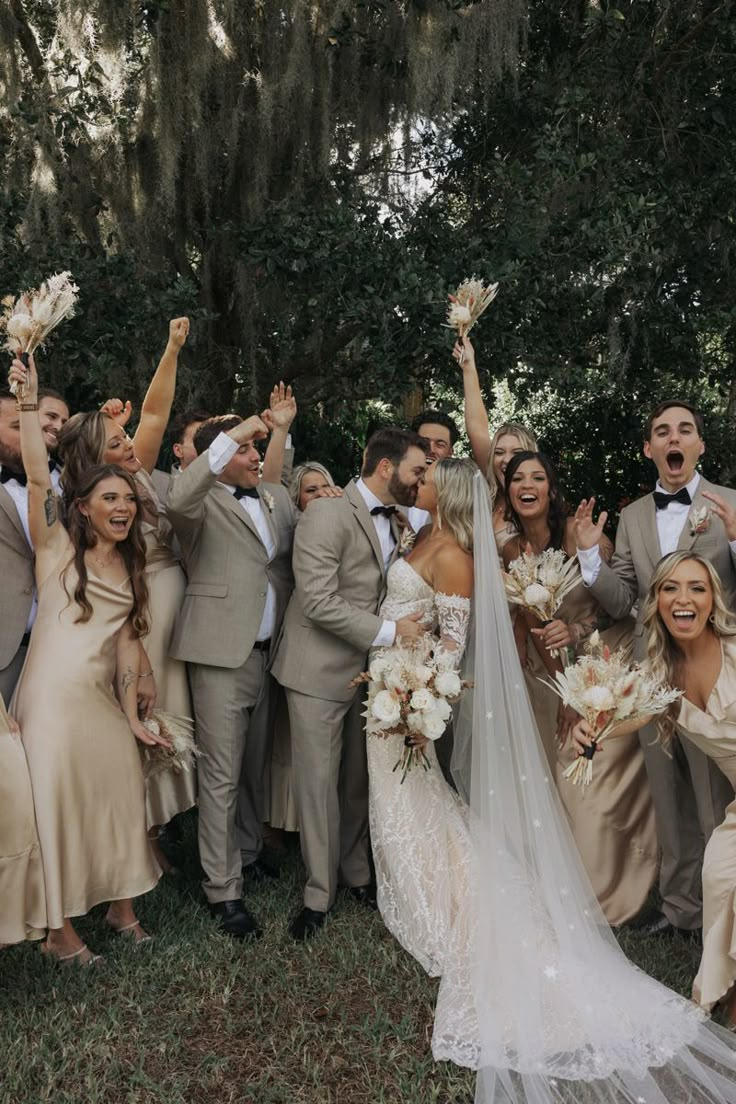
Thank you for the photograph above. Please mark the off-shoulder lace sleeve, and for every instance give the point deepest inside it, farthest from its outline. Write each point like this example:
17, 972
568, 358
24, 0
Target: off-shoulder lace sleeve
453, 615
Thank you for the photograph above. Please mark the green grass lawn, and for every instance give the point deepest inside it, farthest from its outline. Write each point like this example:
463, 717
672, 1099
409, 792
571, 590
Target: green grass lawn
197, 1017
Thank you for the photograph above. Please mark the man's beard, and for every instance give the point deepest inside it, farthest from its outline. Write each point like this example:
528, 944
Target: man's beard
9, 458
403, 493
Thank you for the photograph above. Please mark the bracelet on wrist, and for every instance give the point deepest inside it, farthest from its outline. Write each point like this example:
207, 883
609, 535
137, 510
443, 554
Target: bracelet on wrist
26, 406
145, 674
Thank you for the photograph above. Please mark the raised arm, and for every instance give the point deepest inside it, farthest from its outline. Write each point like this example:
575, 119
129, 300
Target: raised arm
157, 404
615, 585
43, 506
476, 417
282, 413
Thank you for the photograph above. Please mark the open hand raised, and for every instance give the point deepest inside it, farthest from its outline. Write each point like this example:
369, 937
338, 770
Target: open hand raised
282, 405
588, 533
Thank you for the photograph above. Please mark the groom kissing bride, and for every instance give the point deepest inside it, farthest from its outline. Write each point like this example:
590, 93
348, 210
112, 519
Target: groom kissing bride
343, 548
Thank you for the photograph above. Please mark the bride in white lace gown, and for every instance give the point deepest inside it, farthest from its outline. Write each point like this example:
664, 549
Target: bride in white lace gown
419, 828
535, 993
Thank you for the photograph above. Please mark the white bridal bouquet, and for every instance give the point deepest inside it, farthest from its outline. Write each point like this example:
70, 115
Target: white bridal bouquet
411, 690
467, 305
179, 731
605, 689
540, 583
29, 319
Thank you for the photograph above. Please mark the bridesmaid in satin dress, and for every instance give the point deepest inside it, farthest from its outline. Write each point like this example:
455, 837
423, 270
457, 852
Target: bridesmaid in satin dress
691, 644
100, 438
22, 893
612, 820
76, 700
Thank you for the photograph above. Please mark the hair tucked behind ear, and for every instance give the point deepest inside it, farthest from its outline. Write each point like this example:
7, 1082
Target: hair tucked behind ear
664, 657
132, 549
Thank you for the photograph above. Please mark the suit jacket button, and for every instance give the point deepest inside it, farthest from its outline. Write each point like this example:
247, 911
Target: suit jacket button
28, 590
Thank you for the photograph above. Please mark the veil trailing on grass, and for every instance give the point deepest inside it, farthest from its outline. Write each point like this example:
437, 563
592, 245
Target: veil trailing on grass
536, 993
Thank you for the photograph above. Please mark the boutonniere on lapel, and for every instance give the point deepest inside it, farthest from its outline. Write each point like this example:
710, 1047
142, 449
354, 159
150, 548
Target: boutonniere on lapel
267, 499
700, 520
408, 536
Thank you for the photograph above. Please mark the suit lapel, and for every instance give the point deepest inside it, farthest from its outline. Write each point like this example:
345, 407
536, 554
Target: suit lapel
364, 519
270, 516
649, 529
8, 506
230, 502
687, 537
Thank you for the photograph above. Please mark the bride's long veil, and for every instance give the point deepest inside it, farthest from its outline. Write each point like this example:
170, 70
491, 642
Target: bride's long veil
536, 993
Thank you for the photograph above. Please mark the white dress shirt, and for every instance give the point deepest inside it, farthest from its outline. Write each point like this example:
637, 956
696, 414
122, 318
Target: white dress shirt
670, 523
387, 632
220, 453
19, 494
418, 518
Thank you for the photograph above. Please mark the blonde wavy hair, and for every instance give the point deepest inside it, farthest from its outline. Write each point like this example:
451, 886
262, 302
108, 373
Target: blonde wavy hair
526, 439
453, 484
664, 657
295, 479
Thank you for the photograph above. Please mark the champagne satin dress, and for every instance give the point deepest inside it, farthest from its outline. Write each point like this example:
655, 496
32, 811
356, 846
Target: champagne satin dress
714, 732
612, 819
168, 792
22, 894
83, 759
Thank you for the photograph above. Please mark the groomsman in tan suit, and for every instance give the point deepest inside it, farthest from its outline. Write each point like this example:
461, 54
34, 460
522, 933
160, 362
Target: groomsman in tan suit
17, 593
690, 794
342, 550
236, 538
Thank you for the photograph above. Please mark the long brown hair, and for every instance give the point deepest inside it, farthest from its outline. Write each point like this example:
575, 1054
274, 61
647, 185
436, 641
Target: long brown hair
132, 549
664, 657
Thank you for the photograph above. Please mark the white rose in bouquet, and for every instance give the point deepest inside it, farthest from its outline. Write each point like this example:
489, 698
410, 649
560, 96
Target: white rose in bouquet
422, 699
442, 708
419, 676
377, 668
536, 595
448, 684
414, 721
599, 699
432, 725
386, 707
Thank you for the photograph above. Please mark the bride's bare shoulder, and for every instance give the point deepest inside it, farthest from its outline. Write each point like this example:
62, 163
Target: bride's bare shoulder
452, 571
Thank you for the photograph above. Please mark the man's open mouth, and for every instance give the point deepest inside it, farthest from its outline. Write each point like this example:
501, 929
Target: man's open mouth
675, 460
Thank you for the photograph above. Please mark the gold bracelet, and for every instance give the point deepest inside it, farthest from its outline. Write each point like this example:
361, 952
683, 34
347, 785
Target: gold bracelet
26, 406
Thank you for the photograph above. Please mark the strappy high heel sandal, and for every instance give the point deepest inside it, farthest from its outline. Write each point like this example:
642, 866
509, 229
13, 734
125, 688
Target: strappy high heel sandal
144, 937
81, 958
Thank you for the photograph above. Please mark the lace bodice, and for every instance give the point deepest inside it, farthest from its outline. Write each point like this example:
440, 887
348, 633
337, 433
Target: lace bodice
409, 593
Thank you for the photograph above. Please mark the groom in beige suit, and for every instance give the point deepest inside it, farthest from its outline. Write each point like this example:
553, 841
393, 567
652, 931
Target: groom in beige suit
236, 538
690, 794
342, 550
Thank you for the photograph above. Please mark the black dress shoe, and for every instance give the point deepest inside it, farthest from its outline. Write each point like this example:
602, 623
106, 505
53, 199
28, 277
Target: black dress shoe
364, 895
306, 924
235, 919
261, 871
661, 927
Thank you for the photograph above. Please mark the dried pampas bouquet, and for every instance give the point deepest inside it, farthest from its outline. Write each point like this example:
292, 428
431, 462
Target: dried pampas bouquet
467, 305
29, 319
179, 731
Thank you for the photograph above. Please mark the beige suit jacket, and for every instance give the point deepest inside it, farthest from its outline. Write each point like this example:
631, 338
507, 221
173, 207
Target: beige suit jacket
626, 580
340, 582
227, 565
16, 591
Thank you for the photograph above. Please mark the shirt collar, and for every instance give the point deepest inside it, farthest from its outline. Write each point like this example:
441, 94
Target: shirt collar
691, 487
367, 495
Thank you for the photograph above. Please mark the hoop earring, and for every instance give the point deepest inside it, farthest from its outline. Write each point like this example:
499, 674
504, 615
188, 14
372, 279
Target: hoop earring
712, 619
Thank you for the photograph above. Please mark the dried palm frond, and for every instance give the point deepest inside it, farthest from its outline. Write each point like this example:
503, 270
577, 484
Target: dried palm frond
29, 319
468, 303
179, 731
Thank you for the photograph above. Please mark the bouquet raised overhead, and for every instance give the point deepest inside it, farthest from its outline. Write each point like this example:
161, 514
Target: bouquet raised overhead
606, 690
179, 731
411, 691
468, 303
29, 318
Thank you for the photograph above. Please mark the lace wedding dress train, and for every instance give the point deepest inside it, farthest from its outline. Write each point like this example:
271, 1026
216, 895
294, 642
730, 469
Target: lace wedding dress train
535, 993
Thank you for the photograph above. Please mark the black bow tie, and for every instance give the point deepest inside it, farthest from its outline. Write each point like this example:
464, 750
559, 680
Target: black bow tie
246, 492
387, 511
662, 500
20, 477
